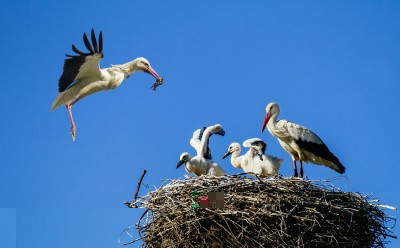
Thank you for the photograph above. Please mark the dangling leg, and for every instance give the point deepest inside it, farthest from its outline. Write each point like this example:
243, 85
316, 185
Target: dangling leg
69, 107
301, 169
295, 168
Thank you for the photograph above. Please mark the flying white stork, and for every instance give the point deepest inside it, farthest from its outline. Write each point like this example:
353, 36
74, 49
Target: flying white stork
254, 160
82, 75
301, 143
202, 164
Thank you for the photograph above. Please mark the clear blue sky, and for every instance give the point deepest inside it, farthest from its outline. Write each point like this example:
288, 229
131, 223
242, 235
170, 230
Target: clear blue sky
333, 66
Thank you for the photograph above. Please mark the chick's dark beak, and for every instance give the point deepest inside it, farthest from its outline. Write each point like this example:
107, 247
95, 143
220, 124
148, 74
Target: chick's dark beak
180, 163
227, 154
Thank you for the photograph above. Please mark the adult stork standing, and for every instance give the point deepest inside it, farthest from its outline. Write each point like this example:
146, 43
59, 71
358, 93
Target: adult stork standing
254, 160
301, 143
202, 164
82, 75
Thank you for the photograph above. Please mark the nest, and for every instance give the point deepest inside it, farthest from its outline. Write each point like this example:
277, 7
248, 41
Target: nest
280, 212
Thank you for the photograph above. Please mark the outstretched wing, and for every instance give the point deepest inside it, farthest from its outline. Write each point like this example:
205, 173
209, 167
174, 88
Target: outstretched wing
83, 64
205, 138
255, 142
195, 142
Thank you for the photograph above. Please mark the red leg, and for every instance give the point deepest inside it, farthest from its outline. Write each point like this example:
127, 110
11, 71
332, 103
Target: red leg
301, 169
69, 107
295, 168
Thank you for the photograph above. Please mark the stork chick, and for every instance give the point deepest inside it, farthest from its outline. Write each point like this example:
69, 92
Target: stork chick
254, 160
202, 164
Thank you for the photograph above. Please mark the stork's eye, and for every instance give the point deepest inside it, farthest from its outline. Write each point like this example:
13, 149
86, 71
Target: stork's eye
146, 64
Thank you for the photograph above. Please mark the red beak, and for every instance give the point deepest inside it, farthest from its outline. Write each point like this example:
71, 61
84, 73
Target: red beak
266, 119
153, 73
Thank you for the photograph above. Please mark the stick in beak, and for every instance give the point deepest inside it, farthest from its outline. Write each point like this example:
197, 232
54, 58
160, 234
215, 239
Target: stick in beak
159, 80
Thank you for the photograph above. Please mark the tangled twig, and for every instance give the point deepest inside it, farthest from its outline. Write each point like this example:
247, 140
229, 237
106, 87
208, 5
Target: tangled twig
280, 212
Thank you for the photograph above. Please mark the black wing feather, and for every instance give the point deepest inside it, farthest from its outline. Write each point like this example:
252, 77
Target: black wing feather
100, 42
321, 150
73, 63
94, 42
78, 51
87, 43
207, 154
261, 144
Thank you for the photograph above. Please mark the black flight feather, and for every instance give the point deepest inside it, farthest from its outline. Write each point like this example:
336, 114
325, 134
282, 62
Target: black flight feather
94, 42
87, 43
261, 144
77, 51
321, 150
100, 42
73, 63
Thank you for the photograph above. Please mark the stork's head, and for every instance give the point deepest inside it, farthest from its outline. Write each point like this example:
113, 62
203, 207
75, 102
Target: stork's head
143, 65
184, 158
231, 149
217, 129
271, 109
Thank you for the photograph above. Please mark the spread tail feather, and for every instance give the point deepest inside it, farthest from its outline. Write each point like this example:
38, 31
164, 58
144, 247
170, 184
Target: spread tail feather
63, 98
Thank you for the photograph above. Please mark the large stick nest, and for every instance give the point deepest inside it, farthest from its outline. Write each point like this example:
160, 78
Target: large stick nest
282, 212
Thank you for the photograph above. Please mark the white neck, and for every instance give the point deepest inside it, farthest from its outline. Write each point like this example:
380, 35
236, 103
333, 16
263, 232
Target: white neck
236, 161
271, 125
128, 68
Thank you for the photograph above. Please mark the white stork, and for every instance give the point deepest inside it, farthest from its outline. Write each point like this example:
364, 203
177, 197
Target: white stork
202, 164
301, 143
82, 75
261, 163
254, 160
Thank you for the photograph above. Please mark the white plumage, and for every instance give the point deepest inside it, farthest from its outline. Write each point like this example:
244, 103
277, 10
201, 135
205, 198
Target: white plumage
82, 75
202, 164
301, 143
254, 160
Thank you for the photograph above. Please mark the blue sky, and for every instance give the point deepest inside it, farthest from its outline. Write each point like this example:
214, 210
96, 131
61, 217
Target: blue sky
333, 66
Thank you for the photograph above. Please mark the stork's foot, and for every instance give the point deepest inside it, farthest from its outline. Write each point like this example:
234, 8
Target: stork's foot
295, 173
73, 132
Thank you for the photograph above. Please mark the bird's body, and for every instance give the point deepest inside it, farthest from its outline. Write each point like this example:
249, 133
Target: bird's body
254, 160
82, 75
201, 164
301, 143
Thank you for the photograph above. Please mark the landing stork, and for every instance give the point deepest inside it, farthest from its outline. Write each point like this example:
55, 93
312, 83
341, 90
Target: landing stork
82, 75
301, 143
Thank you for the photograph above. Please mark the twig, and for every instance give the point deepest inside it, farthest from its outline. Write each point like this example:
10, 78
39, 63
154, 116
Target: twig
134, 203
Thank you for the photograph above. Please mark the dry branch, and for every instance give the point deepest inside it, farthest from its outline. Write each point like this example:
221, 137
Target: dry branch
281, 212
